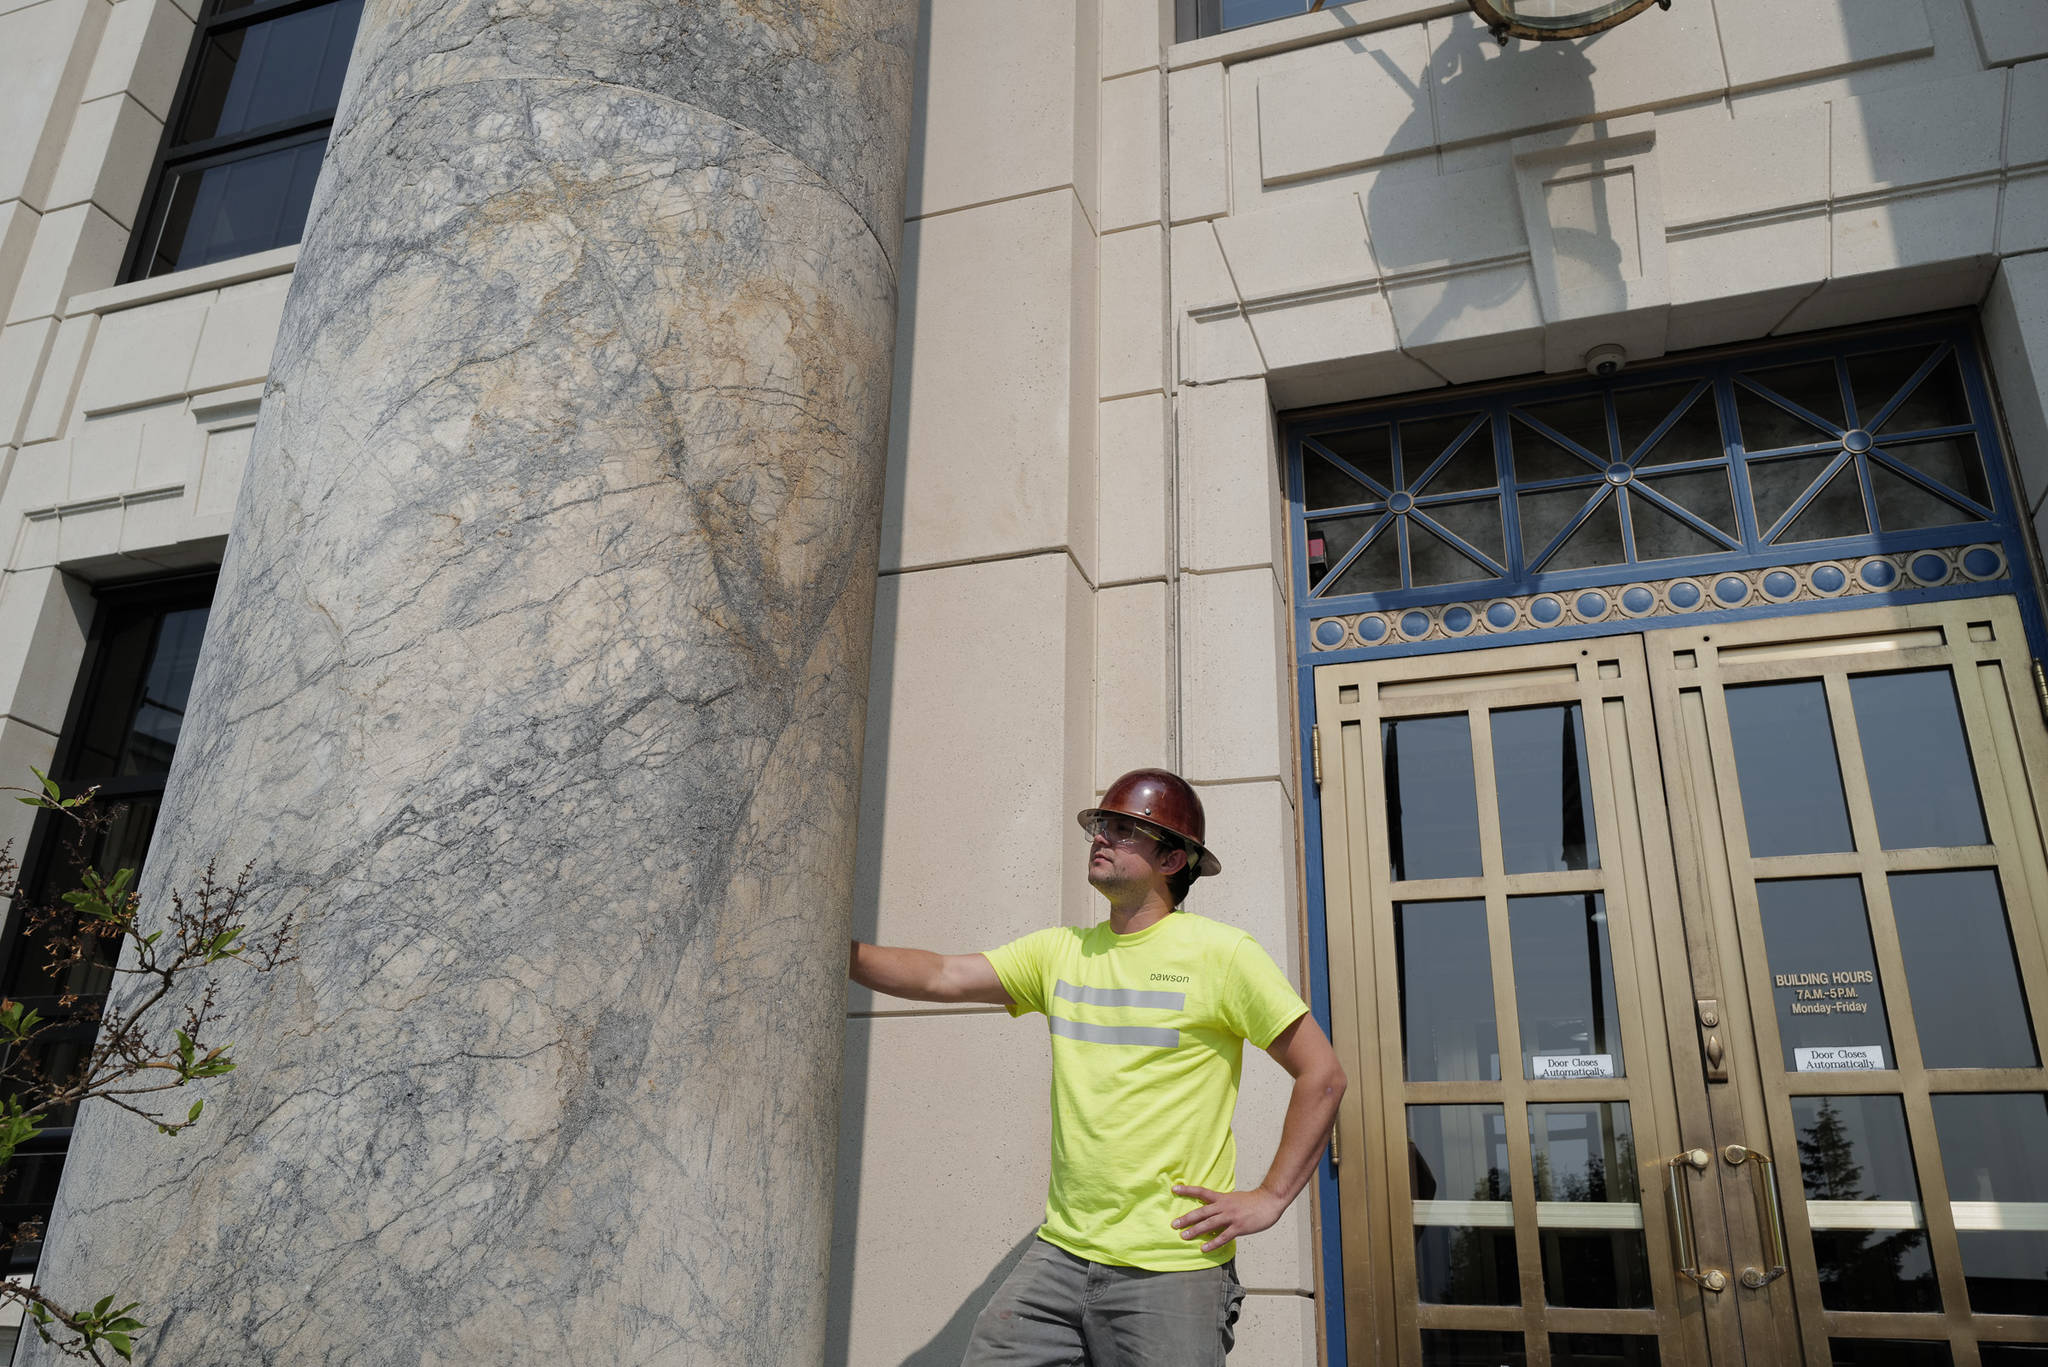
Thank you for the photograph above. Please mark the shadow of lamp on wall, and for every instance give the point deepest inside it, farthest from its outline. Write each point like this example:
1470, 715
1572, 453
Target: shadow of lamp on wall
1548, 20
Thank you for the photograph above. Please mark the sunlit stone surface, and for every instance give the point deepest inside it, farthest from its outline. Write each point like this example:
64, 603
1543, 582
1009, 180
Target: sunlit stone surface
535, 689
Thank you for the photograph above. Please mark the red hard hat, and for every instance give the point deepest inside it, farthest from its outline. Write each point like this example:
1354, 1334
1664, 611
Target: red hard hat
1164, 800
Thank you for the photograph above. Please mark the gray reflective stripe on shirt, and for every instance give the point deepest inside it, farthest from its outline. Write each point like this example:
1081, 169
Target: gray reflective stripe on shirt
1120, 996
1144, 1036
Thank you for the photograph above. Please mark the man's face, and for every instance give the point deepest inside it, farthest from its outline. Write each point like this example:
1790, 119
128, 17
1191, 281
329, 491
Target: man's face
1126, 855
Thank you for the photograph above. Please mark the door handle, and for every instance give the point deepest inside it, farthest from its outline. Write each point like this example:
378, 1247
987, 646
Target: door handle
1770, 1207
1684, 1249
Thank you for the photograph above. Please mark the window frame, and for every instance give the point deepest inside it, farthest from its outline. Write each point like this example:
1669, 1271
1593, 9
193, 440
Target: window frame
159, 594
172, 158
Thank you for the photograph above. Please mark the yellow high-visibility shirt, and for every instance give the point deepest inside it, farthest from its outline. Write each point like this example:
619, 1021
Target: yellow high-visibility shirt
1148, 1034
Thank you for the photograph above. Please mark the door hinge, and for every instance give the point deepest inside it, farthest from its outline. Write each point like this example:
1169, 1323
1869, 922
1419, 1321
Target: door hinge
1333, 1146
1315, 740
2041, 689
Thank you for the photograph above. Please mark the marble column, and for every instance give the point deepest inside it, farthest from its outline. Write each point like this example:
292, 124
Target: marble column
534, 689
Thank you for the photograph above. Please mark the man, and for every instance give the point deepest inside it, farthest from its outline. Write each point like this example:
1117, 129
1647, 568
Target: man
1148, 1012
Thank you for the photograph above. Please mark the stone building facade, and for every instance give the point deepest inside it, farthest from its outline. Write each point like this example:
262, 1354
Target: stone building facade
1146, 273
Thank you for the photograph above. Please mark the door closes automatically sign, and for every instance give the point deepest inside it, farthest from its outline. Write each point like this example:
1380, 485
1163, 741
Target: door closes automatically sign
1840, 1058
1568, 1067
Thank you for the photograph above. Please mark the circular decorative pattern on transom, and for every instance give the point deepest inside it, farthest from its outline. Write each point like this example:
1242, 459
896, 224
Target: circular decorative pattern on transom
1778, 586
1878, 573
1415, 625
1982, 562
1372, 630
1637, 599
1459, 620
1501, 614
1545, 610
1856, 441
1927, 569
1618, 472
1329, 633
1827, 580
1590, 606
1731, 590
1683, 594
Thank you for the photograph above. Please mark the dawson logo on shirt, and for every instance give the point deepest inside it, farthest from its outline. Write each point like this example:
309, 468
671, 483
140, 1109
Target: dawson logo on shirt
1171, 978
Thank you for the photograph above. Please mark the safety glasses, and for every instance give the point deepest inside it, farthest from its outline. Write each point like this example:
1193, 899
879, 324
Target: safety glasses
1123, 830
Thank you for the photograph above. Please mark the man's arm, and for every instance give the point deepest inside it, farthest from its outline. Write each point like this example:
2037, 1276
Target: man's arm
923, 976
1305, 1052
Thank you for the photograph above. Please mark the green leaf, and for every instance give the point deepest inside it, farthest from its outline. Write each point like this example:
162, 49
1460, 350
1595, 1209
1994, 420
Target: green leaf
49, 787
120, 1344
101, 1306
16, 1127
193, 1114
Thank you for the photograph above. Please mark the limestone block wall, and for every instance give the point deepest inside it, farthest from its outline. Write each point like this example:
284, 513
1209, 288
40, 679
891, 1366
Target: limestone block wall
980, 745
106, 481
1376, 198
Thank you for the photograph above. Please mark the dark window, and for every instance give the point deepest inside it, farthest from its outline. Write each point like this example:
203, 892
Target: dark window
1719, 466
119, 735
242, 148
1200, 18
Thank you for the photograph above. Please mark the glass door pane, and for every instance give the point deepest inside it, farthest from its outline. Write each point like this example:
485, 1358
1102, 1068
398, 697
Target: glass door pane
1500, 979
1868, 840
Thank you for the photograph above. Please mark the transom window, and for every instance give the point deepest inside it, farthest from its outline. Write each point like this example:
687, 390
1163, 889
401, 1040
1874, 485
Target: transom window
1200, 18
242, 149
1879, 443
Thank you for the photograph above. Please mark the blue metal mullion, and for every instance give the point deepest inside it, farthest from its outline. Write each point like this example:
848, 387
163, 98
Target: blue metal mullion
1811, 448
1628, 527
1790, 407
1692, 519
1328, 1198
1347, 510
1545, 429
1738, 463
1561, 482
1510, 509
1330, 575
1463, 546
1919, 377
1680, 467
1348, 468
1820, 482
1848, 397
1663, 428
1954, 429
1927, 482
1457, 445
1578, 520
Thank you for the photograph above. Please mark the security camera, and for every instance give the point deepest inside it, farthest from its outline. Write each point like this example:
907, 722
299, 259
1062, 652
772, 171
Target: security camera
1606, 360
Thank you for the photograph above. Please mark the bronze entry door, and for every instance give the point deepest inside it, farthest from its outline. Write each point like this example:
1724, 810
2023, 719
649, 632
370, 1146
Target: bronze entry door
1687, 984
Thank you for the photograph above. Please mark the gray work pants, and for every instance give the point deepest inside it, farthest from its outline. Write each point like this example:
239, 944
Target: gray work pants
1057, 1310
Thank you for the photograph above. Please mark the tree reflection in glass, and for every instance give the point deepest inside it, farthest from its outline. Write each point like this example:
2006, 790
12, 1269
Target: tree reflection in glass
1854, 1150
1589, 1212
1464, 1225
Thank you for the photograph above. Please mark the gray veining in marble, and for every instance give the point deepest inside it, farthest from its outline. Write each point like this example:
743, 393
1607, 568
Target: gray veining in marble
535, 688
